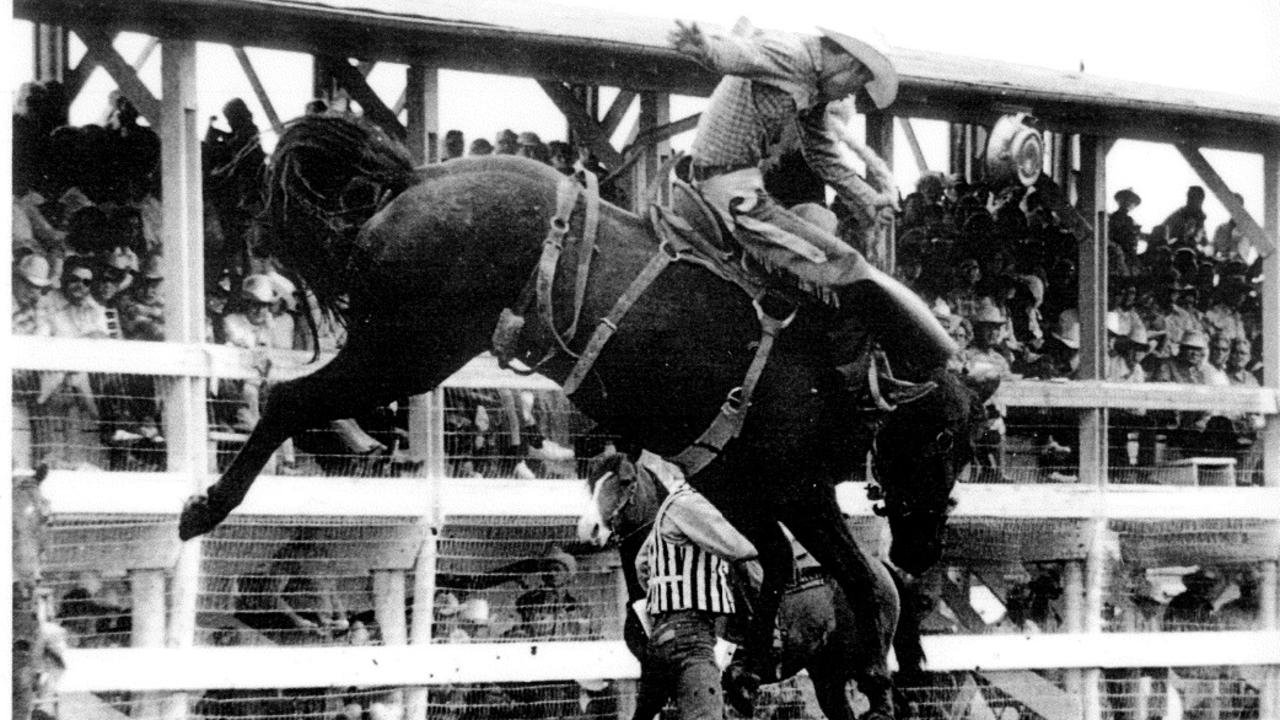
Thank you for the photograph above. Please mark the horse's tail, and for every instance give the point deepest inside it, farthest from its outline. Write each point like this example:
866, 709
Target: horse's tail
328, 175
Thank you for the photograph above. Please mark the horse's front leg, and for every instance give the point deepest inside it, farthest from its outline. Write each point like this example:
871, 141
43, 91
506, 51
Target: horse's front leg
368, 372
759, 662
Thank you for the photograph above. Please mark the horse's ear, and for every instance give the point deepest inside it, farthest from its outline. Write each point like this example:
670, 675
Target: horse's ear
604, 463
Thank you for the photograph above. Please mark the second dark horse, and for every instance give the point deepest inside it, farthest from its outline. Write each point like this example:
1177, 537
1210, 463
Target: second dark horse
421, 263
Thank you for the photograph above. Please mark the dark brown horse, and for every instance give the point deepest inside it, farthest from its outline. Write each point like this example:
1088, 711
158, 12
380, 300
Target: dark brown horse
420, 264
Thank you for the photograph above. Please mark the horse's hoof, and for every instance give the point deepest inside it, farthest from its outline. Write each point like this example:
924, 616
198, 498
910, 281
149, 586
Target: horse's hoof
198, 517
740, 688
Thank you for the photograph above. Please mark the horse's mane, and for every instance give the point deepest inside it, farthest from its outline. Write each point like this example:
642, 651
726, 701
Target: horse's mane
328, 175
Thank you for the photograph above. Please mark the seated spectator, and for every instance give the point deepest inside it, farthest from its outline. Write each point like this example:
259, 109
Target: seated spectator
31, 285
94, 614
1188, 365
1121, 227
142, 311
112, 278
963, 293
529, 145
985, 359
507, 143
1185, 226
455, 145
1183, 317
1192, 609
295, 599
1237, 365
551, 611
1126, 352
1228, 242
561, 156
1223, 316
480, 146
258, 328
1243, 613
1215, 368
1059, 356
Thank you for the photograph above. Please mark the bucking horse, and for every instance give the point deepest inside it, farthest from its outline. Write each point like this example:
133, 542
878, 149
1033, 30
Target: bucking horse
731, 378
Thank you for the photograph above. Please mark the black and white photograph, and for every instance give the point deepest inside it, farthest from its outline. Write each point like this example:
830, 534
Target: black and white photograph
665, 360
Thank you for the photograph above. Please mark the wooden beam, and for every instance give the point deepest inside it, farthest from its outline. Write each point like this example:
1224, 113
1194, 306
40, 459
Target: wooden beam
349, 77
422, 101
914, 142
585, 126
101, 52
258, 89
1210, 177
957, 598
613, 117
146, 52
662, 132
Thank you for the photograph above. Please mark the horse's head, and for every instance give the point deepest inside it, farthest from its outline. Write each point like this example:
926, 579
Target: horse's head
920, 450
624, 500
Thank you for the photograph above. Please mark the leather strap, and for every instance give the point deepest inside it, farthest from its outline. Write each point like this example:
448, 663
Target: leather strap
586, 250
727, 424
608, 325
552, 247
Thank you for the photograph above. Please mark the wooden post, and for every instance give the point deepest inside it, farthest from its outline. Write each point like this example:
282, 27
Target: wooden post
1270, 438
422, 100
185, 422
388, 608
1073, 617
1269, 617
655, 111
147, 588
426, 439
51, 60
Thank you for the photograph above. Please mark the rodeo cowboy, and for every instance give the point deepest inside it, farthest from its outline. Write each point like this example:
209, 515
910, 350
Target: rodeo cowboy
773, 79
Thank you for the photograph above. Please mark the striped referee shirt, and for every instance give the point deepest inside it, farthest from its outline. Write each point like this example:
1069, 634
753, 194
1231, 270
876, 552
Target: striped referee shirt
688, 554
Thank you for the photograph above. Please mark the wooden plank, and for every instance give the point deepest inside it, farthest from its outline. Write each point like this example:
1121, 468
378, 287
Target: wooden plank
100, 49
349, 77
258, 90
914, 143
1244, 221
613, 116
1039, 695
585, 126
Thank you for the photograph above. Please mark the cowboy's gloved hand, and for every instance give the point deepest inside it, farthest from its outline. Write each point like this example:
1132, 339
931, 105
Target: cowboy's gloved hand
689, 40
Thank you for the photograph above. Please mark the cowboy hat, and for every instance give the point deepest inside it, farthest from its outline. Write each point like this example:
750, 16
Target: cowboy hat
34, 268
1068, 330
1128, 195
989, 314
1194, 339
872, 52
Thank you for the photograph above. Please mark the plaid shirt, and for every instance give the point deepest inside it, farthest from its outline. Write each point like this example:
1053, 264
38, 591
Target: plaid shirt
772, 79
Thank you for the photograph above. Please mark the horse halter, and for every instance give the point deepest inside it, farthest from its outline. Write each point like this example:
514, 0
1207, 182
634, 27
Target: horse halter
900, 509
627, 497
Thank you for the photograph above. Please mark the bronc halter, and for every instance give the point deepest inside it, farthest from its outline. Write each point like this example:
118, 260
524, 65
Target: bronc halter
628, 495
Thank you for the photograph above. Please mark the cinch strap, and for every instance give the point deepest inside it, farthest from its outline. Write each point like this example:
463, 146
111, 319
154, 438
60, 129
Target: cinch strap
733, 413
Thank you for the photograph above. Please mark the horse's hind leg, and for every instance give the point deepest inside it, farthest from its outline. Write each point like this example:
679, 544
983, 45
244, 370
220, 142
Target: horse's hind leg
829, 689
866, 585
375, 368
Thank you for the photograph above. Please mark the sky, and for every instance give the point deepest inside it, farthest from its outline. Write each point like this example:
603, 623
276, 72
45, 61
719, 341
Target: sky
1230, 46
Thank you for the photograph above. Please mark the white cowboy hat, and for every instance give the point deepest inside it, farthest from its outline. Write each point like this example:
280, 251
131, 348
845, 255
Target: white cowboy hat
34, 268
872, 51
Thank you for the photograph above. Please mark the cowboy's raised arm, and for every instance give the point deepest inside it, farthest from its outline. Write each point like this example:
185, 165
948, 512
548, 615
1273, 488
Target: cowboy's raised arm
748, 52
690, 517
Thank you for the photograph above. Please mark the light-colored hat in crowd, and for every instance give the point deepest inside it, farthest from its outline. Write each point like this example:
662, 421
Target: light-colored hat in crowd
1194, 339
872, 51
942, 311
259, 288
34, 268
989, 314
1138, 334
1068, 330
1117, 324
447, 604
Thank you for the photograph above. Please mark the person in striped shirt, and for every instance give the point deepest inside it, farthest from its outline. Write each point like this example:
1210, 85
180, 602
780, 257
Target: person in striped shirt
685, 564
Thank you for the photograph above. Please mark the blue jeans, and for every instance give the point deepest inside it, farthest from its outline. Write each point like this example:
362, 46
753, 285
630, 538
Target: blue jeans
680, 663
